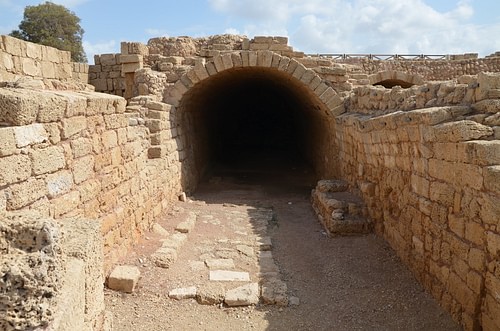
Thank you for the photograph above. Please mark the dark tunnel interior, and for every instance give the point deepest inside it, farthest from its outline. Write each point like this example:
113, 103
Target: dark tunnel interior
253, 123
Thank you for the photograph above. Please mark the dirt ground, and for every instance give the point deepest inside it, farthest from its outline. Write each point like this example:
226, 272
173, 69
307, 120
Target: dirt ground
343, 283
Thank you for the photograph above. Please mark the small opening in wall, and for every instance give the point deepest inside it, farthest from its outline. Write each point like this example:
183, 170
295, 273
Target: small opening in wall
390, 83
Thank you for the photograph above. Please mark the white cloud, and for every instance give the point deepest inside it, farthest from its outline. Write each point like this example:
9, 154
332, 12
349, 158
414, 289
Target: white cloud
106, 47
364, 26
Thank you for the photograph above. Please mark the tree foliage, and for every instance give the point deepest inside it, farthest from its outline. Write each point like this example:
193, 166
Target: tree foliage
52, 25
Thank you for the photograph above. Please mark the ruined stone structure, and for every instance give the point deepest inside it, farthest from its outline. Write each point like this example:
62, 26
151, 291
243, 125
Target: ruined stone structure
423, 156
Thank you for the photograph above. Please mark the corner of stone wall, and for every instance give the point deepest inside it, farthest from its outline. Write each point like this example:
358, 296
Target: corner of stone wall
51, 273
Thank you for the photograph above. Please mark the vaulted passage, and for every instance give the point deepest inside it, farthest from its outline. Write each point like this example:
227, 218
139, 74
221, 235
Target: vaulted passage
254, 123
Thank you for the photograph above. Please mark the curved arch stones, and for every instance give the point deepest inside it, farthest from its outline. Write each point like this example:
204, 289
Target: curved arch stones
412, 79
333, 102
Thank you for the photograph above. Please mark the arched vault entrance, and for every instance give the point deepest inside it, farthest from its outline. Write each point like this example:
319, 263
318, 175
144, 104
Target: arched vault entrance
258, 117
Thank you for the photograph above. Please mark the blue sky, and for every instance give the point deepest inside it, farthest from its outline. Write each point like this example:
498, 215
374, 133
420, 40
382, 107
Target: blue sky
313, 26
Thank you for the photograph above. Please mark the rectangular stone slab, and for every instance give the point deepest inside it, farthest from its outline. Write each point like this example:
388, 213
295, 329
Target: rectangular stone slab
229, 276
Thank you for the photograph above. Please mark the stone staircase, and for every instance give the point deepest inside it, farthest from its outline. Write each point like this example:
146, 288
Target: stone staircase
340, 211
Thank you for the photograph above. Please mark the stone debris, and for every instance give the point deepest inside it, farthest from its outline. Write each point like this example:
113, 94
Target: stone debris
183, 293
245, 295
187, 225
175, 241
245, 250
274, 292
264, 244
293, 301
183, 197
340, 211
210, 294
229, 276
218, 264
164, 257
158, 229
124, 278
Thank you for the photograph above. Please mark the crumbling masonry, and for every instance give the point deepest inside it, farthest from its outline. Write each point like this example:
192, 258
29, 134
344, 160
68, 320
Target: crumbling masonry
84, 173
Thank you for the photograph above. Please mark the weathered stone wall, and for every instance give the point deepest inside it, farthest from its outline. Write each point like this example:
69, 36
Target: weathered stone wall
20, 59
425, 159
428, 69
430, 179
83, 154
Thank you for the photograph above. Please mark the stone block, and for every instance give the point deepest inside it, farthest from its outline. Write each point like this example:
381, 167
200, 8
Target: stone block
229, 276
160, 230
130, 58
183, 293
81, 147
274, 292
124, 278
47, 160
83, 169
115, 121
175, 241
157, 152
30, 134
492, 178
65, 204
15, 168
109, 139
72, 126
164, 257
458, 131
25, 193
493, 243
210, 294
59, 183
482, 152
264, 243
218, 264
245, 295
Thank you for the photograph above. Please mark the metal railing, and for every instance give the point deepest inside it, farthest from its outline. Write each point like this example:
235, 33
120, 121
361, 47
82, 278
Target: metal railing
383, 57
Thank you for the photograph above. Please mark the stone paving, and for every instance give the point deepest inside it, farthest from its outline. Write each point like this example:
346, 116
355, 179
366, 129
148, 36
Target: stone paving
230, 252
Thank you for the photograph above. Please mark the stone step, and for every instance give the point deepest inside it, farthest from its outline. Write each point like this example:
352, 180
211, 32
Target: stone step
340, 211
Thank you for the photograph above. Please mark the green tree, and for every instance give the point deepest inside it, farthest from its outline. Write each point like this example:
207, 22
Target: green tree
52, 25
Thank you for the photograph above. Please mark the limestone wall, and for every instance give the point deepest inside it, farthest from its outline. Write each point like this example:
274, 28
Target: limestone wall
428, 69
430, 179
83, 154
19, 58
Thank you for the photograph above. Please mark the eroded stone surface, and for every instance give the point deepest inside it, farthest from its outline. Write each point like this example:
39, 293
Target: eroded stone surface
124, 278
245, 295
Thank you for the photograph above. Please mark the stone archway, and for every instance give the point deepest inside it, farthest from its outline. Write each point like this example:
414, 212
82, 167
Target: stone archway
256, 103
393, 78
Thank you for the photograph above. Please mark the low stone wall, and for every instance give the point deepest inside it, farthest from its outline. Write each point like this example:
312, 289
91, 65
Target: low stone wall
430, 180
20, 59
428, 69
